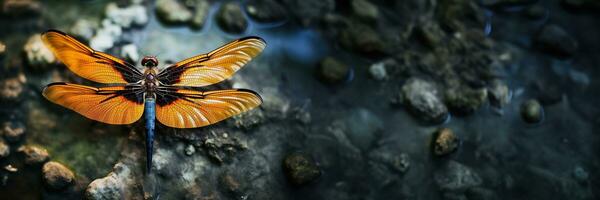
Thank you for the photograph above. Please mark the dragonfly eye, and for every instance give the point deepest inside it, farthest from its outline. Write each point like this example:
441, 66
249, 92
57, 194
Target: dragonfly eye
149, 61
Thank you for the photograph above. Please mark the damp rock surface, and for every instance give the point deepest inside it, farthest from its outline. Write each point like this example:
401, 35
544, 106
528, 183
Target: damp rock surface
455, 176
300, 169
422, 99
555, 40
445, 142
57, 176
231, 18
532, 111
34, 154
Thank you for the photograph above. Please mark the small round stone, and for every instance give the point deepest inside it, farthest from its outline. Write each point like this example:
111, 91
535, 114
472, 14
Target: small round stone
532, 111
445, 142
12, 133
333, 71
300, 169
34, 155
57, 176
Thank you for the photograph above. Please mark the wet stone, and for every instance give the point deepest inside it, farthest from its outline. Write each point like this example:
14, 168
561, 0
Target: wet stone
12, 132
4, 149
37, 54
300, 169
106, 36
113, 186
34, 155
421, 98
249, 120
365, 10
11, 88
333, 71
363, 39
499, 94
445, 142
465, 100
455, 176
398, 162
221, 147
201, 9
378, 71
532, 111
231, 18
173, 12
265, 11
57, 176
430, 34
555, 40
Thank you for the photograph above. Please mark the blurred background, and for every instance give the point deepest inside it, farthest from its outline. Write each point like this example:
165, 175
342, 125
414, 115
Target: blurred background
363, 99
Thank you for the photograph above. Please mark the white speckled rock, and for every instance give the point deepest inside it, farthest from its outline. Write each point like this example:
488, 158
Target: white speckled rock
130, 52
37, 54
127, 16
113, 186
172, 12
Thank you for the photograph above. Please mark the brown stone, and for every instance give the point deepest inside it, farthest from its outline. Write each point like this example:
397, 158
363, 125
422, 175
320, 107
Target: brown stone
57, 176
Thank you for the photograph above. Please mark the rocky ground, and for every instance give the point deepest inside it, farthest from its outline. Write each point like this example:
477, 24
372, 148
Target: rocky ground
363, 99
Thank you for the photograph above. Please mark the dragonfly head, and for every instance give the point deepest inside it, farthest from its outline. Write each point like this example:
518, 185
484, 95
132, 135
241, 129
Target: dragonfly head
149, 61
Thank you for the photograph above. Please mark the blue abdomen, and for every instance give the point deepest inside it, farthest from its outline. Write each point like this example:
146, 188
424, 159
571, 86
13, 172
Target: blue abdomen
150, 115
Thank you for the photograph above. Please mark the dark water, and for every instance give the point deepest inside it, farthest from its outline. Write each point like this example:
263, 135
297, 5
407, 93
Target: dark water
352, 130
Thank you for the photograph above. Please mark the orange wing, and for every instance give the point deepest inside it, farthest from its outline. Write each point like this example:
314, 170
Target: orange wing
213, 67
112, 105
88, 63
183, 108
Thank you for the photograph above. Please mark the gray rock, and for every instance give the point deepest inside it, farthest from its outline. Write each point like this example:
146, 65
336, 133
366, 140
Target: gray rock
456, 177
361, 128
231, 18
11, 88
221, 147
173, 12
363, 39
532, 111
300, 169
554, 40
249, 120
133, 15
465, 100
421, 98
430, 34
445, 142
4, 149
365, 10
57, 176
378, 71
34, 155
84, 29
201, 9
309, 11
499, 94
113, 186
190, 150
13, 132
37, 54
106, 36
333, 71
265, 11
396, 161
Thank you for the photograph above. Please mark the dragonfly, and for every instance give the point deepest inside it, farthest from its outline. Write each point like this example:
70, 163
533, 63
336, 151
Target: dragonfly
175, 95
